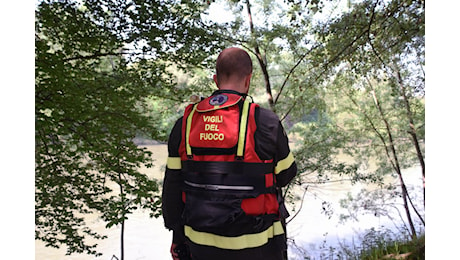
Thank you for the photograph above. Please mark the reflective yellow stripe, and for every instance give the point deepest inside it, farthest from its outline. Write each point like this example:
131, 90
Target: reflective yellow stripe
235, 243
243, 124
174, 163
285, 163
187, 135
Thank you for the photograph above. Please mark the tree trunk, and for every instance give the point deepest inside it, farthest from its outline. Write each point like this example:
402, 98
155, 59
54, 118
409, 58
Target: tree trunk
395, 162
261, 59
122, 235
122, 240
412, 131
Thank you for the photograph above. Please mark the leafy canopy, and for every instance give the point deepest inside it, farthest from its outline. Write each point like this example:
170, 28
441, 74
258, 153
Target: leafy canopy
96, 62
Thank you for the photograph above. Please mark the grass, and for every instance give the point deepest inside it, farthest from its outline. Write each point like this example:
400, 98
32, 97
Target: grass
374, 244
413, 250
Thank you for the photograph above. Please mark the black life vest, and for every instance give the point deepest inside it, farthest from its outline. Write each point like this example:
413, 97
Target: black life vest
228, 190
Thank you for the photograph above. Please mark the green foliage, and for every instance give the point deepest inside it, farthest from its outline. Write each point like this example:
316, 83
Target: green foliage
379, 247
165, 110
373, 244
97, 65
85, 120
350, 89
379, 83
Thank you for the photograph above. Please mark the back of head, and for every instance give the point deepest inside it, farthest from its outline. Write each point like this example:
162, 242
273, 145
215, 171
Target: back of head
233, 65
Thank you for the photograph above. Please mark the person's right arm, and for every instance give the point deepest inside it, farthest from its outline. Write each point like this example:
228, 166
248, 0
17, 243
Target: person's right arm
172, 204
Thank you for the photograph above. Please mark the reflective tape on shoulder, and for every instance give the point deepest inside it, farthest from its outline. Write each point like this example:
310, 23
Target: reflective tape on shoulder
188, 148
174, 163
285, 163
234, 243
243, 128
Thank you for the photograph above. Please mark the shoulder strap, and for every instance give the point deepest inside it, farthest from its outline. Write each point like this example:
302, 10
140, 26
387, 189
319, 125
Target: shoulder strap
243, 129
188, 126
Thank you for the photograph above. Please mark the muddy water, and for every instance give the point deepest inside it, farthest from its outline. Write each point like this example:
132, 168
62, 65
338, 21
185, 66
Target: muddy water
146, 238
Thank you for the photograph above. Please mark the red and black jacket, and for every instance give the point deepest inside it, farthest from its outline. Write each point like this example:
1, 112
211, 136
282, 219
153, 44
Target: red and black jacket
231, 154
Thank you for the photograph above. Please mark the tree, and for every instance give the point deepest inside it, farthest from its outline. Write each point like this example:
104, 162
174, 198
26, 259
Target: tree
381, 73
96, 62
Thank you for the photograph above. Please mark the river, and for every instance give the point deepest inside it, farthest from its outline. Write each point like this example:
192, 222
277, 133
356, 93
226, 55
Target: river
147, 239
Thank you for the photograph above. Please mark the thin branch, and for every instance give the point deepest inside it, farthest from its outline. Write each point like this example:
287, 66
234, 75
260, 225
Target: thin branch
396, 164
261, 58
300, 208
292, 71
374, 128
94, 56
326, 67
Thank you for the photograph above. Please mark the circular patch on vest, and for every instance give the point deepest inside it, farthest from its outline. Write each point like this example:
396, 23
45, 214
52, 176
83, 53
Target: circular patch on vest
218, 100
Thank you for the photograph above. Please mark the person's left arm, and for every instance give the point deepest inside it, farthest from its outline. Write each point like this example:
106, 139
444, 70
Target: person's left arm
285, 165
272, 142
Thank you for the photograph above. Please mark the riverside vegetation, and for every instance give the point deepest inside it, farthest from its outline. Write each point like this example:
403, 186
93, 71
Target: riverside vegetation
383, 248
346, 77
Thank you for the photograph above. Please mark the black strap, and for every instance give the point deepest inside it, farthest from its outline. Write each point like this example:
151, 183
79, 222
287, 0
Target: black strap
235, 167
200, 175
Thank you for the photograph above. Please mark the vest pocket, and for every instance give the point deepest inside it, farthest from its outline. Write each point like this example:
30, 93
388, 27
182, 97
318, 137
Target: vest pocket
211, 212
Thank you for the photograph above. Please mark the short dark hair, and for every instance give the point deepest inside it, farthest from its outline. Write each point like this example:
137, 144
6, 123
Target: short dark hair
233, 63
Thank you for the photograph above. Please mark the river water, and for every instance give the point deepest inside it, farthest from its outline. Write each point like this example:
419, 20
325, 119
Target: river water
146, 238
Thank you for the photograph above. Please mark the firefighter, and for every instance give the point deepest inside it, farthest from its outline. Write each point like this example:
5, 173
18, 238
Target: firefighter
227, 161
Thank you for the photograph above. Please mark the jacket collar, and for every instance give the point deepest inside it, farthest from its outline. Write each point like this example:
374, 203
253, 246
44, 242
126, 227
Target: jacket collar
228, 91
